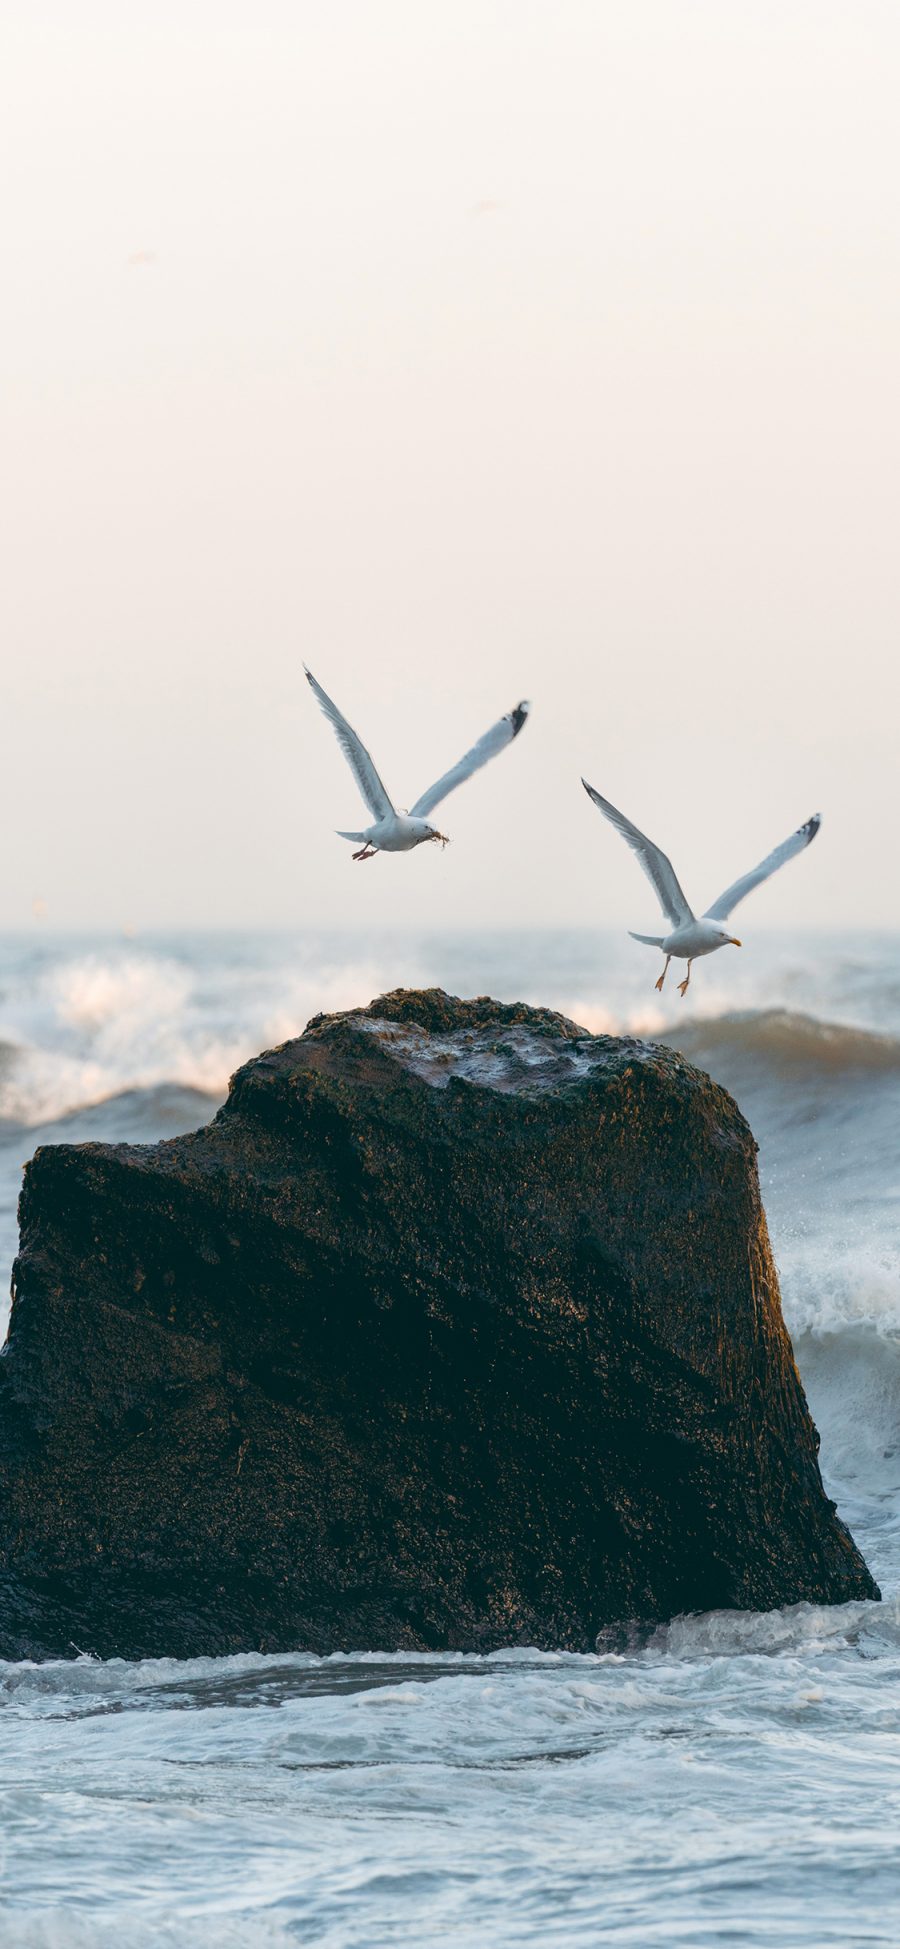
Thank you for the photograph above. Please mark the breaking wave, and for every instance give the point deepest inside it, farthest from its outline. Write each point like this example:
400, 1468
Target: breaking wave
788, 1040
93, 1027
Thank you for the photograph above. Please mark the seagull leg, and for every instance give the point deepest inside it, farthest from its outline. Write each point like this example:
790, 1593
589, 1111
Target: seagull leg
367, 852
664, 973
683, 985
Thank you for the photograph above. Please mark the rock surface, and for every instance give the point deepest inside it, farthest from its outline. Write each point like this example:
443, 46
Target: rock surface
457, 1327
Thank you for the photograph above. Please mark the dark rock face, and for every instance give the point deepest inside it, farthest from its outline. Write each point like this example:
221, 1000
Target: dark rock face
456, 1328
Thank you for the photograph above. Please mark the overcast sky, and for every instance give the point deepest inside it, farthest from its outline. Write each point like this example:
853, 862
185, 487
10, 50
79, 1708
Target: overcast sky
468, 350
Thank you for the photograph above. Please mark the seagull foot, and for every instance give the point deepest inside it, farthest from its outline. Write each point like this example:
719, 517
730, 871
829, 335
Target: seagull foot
367, 852
658, 984
683, 985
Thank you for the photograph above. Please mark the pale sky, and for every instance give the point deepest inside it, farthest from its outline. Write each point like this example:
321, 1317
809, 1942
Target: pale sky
470, 351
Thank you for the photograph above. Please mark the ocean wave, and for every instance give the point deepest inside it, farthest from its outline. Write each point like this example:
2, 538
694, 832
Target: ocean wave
784, 1038
92, 1028
80, 1028
830, 1285
134, 1116
807, 1628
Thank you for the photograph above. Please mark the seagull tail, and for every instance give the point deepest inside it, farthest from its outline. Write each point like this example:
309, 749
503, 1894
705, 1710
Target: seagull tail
350, 835
649, 940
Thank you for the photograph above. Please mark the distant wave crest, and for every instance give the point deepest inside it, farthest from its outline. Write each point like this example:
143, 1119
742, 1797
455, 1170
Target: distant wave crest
782, 1037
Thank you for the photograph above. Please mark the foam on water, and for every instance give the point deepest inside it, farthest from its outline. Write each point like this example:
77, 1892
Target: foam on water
83, 1028
734, 1779
676, 1794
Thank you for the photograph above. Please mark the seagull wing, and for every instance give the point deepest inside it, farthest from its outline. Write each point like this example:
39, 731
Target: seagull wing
659, 870
797, 843
355, 753
495, 740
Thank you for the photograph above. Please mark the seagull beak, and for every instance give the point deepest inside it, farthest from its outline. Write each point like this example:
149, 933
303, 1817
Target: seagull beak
734, 943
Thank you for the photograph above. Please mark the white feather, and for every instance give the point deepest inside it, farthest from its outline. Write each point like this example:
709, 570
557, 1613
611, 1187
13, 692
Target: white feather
779, 856
356, 755
494, 741
659, 870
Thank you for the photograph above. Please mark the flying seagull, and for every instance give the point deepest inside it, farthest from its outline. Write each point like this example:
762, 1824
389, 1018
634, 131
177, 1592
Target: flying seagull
691, 935
396, 830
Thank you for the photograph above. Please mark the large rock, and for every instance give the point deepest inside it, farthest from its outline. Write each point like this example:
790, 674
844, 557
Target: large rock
456, 1328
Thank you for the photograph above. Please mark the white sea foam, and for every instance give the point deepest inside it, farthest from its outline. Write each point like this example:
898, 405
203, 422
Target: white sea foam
515, 1799
94, 1026
810, 1629
61, 1929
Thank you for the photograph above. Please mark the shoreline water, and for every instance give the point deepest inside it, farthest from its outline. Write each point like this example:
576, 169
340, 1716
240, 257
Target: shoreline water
737, 1779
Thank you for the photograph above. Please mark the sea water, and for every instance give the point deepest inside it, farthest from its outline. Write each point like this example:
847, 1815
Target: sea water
737, 1780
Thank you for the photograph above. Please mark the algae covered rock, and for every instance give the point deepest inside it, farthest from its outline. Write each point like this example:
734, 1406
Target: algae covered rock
456, 1328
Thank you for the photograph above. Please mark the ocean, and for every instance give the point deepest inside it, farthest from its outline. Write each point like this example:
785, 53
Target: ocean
737, 1780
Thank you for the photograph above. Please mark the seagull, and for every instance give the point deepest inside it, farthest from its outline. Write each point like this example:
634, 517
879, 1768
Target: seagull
396, 830
691, 936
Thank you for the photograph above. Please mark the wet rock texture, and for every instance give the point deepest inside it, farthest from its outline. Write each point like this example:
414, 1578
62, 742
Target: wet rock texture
457, 1327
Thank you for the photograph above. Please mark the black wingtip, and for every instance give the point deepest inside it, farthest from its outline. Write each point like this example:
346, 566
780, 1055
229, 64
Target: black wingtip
518, 716
812, 826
